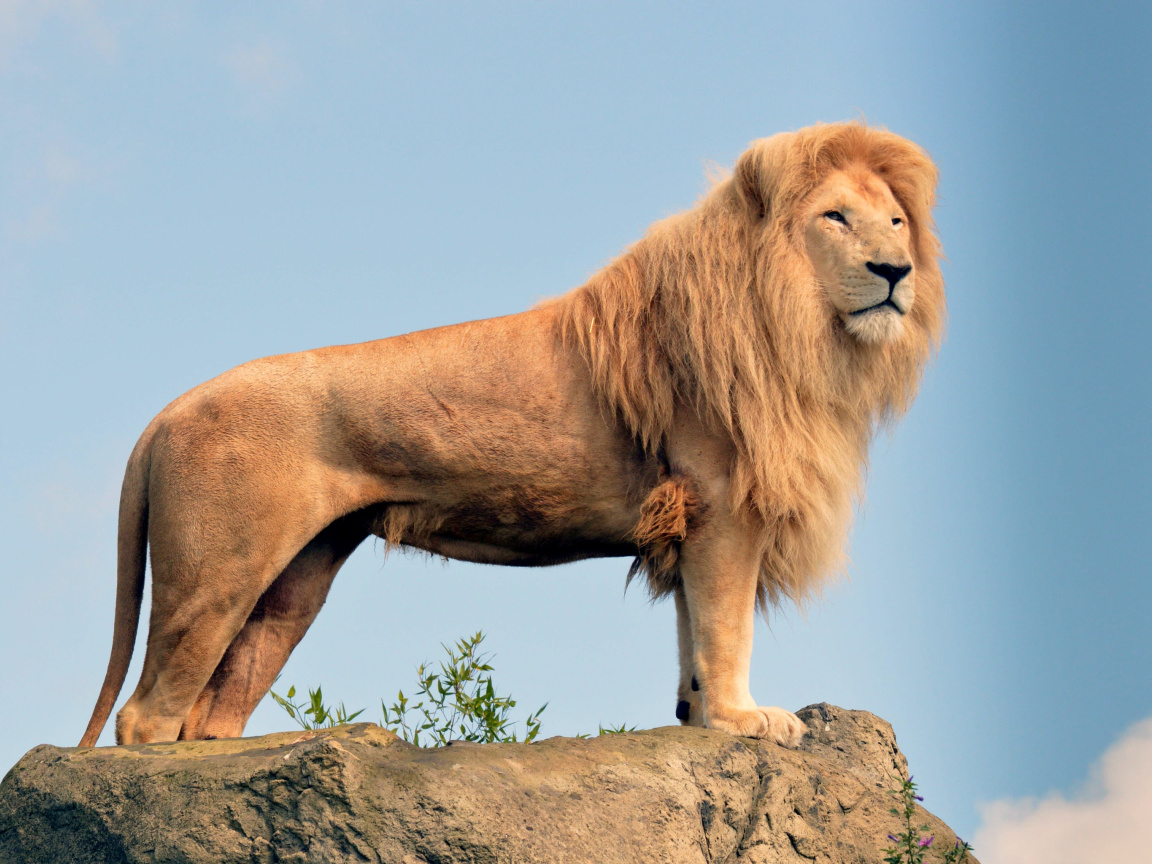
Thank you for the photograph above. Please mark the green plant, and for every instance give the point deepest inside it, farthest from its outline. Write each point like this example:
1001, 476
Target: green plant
616, 730
958, 853
910, 846
321, 716
457, 703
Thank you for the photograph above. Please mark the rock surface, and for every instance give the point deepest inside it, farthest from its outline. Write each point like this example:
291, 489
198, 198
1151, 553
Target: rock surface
357, 793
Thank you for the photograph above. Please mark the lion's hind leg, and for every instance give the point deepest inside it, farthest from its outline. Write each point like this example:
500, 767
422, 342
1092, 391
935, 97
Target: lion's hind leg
276, 625
185, 644
208, 572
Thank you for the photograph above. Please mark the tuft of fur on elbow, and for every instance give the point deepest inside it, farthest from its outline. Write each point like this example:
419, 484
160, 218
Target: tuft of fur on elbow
665, 519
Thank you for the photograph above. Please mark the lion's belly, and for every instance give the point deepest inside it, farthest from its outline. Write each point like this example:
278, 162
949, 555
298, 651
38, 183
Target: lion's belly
517, 523
501, 454
534, 527
544, 555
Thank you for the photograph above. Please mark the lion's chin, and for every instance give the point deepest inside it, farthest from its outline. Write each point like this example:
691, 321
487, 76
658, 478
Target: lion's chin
876, 326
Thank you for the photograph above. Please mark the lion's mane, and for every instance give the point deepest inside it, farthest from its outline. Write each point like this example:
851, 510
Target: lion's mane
718, 308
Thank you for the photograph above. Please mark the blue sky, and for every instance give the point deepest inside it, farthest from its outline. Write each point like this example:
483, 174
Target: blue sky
181, 191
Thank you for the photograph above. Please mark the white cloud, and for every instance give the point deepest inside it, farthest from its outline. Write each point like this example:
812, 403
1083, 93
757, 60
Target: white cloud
262, 70
1104, 822
38, 223
21, 21
61, 168
74, 502
49, 179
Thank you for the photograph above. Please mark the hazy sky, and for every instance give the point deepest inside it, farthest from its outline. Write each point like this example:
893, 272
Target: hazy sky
181, 192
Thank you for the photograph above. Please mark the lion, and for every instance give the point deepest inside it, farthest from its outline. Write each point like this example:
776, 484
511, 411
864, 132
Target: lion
703, 405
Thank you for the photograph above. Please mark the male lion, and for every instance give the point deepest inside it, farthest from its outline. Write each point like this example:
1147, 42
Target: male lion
704, 403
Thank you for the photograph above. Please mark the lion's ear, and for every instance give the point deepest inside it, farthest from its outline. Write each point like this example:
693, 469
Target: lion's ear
759, 173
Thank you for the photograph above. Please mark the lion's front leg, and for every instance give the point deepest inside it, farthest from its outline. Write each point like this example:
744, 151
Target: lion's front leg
720, 567
689, 703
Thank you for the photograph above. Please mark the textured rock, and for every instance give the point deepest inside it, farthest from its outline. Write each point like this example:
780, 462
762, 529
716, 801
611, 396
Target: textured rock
357, 794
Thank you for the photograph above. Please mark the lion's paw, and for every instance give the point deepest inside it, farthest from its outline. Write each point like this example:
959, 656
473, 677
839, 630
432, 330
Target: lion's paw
690, 705
770, 724
690, 710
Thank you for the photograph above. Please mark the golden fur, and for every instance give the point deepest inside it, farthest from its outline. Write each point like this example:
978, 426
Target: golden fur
704, 404
718, 307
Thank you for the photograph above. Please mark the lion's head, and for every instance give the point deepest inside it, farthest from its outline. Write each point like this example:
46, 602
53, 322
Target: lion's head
794, 309
856, 236
850, 208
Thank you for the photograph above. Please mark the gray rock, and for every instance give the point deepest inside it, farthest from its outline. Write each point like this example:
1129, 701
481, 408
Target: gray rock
357, 793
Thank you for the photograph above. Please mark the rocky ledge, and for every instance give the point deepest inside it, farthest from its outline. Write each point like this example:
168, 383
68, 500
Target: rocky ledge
357, 793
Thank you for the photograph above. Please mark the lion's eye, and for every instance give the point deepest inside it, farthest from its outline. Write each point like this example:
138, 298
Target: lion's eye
836, 216
897, 221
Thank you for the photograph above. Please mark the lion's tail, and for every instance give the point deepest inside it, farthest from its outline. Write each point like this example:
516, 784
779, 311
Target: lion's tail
131, 551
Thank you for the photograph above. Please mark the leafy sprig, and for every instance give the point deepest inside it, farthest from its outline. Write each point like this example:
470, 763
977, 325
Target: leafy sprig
458, 702
911, 845
314, 714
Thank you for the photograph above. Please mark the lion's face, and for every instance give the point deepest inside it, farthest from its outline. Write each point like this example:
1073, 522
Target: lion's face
858, 241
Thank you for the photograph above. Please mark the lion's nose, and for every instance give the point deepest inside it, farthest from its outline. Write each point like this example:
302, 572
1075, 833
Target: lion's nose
890, 273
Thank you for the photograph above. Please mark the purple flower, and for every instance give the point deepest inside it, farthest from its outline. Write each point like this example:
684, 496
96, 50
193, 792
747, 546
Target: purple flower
893, 838
927, 841
918, 797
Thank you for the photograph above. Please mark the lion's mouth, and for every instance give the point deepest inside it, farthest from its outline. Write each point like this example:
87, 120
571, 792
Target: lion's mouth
889, 303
